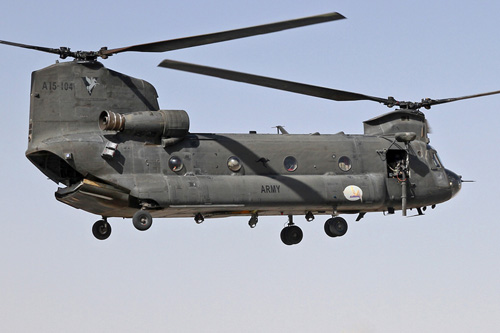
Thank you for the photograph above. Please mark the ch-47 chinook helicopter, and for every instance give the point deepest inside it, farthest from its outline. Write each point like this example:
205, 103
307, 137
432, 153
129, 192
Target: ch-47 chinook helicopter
102, 135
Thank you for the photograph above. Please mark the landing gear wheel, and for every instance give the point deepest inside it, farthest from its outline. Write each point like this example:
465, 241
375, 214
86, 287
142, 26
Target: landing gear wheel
142, 220
291, 235
101, 230
335, 227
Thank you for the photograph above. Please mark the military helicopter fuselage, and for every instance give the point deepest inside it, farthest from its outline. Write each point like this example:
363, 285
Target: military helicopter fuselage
102, 134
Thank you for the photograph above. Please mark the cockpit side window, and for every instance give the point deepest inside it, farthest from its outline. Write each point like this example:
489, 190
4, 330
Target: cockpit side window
436, 160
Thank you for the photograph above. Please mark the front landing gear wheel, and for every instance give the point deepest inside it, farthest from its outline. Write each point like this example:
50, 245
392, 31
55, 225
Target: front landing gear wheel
101, 230
291, 235
142, 220
335, 227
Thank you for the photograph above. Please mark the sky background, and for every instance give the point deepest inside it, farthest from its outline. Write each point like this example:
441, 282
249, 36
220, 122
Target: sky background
439, 272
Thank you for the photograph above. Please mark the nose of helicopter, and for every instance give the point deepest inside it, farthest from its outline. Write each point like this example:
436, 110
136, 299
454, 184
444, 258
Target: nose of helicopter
455, 182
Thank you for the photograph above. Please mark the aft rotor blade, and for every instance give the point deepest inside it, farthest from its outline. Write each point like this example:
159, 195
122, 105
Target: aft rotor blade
181, 43
427, 103
299, 88
32, 47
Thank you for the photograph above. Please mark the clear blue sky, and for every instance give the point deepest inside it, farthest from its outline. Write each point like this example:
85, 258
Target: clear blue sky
436, 273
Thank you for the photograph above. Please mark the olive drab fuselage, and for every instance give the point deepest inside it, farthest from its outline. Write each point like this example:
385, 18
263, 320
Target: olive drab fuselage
102, 135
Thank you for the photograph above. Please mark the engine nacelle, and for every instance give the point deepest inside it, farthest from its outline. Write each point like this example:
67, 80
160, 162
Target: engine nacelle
162, 123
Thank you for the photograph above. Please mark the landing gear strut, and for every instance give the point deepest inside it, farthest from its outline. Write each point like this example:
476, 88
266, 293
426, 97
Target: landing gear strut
335, 226
291, 234
101, 229
142, 220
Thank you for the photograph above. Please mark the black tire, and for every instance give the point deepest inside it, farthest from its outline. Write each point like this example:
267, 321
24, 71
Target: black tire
291, 235
101, 230
284, 238
142, 220
335, 227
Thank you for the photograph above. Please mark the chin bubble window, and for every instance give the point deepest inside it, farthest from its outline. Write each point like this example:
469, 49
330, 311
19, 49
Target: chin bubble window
290, 163
175, 164
234, 164
345, 163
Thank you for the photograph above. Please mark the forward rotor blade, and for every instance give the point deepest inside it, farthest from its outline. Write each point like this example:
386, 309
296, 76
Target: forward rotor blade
299, 88
427, 103
181, 43
32, 47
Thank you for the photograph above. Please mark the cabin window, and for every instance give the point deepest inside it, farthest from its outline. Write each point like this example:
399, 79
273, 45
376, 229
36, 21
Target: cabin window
234, 164
290, 163
175, 164
345, 163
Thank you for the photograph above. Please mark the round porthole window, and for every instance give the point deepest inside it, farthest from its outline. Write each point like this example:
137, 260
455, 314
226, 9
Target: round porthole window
234, 164
345, 163
175, 164
290, 163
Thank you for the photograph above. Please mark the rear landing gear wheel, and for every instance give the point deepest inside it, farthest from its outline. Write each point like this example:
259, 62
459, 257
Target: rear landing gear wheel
335, 227
142, 220
291, 235
101, 230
